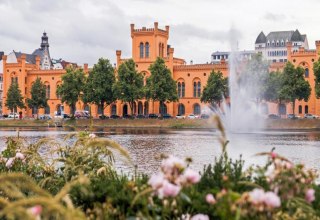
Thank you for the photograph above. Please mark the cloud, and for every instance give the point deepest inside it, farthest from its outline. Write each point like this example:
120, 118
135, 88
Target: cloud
274, 17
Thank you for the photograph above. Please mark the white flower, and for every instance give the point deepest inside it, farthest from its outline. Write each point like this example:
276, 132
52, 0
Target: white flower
257, 196
20, 156
9, 162
272, 200
200, 217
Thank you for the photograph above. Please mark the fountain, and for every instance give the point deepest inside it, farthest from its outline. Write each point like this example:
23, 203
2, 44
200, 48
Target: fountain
246, 78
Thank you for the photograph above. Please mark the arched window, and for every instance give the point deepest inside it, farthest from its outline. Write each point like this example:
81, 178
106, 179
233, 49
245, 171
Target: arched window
181, 109
86, 108
141, 50
199, 89
47, 110
306, 73
196, 109
300, 109
99, 110
146, 108
48, 91
140, 108
183, 88
162, 50
147, 50
194, 89
113, 110
282, 109
179, 90
163, 109
58, 96
306, 109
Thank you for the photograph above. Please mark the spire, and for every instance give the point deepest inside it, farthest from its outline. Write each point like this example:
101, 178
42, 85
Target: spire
44, 41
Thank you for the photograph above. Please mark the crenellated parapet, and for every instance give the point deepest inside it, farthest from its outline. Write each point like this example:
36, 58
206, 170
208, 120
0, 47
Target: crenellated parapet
155, 30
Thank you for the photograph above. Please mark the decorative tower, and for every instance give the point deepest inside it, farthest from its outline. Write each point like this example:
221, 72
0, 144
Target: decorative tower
45, 58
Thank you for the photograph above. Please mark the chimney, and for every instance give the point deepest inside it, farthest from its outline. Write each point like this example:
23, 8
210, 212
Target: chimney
118, 53
156, 26
318, 46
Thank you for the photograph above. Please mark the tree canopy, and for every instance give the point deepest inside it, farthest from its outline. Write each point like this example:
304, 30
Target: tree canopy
160, 86
272, 87
38, 95
129, 86
72, 87
216, 89
316, 70
294, 85
98, 88
14, 97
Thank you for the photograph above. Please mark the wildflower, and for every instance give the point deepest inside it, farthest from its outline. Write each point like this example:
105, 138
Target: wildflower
35, 211
309, 196
192, 176
156, 180
272, 200
20, 156
257, 196
172, 162
273, 155
169, 189
9, 162
92, 135
210, 199
200, 217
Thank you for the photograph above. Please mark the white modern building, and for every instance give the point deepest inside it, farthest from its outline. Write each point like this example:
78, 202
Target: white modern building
217, 56
273, 47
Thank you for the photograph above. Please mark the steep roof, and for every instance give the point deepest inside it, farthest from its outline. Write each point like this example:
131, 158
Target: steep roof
261, 38
30, 58
279, 35
296, 36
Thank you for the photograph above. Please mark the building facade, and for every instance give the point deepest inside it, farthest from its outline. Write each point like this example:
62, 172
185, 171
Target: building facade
244, 55
273, 46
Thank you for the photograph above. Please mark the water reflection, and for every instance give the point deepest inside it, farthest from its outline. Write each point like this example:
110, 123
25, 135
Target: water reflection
146, 145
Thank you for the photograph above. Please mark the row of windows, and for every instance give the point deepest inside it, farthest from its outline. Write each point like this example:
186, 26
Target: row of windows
306, 109
196, 89
277, 53
219, 57
273, 43
144, 50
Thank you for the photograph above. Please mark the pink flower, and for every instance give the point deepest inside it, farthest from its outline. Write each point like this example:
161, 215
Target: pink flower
35, 210
273, 155
310, 197
169, 189
257, 196
10, 162
288, 165
200, 217
172, 162
192, 176
156, 180
20, 156
210, 199
272, 200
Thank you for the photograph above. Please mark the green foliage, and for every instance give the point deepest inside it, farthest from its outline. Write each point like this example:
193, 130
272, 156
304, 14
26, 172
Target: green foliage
160, 85
216, 89
14, 97
38, 95
72, 87
98, 88
273, 87
316, 70
129, 86
294, 86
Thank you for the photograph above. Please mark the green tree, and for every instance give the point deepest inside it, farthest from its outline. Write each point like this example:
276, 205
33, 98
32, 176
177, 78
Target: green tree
160, 85
129, 86
71, 87
38, 96
216, 89
316, 70
14, 98
294, 86
272, 88
99, 85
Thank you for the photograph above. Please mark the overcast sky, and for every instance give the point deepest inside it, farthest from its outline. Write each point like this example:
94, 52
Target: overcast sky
83, 30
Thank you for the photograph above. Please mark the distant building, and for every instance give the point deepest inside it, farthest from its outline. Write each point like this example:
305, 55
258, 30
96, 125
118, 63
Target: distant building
216, 57
273, 47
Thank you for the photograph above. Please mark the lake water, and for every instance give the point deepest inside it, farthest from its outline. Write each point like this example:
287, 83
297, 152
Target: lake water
146, 145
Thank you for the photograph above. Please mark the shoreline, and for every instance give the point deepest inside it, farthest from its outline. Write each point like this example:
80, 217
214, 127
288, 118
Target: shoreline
270, 125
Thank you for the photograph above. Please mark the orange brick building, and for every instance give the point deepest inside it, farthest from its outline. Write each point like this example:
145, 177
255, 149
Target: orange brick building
147, 45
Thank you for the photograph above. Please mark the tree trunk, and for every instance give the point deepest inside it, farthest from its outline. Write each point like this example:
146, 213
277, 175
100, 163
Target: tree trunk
37, 113
73, 106
14, 114
152, 106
